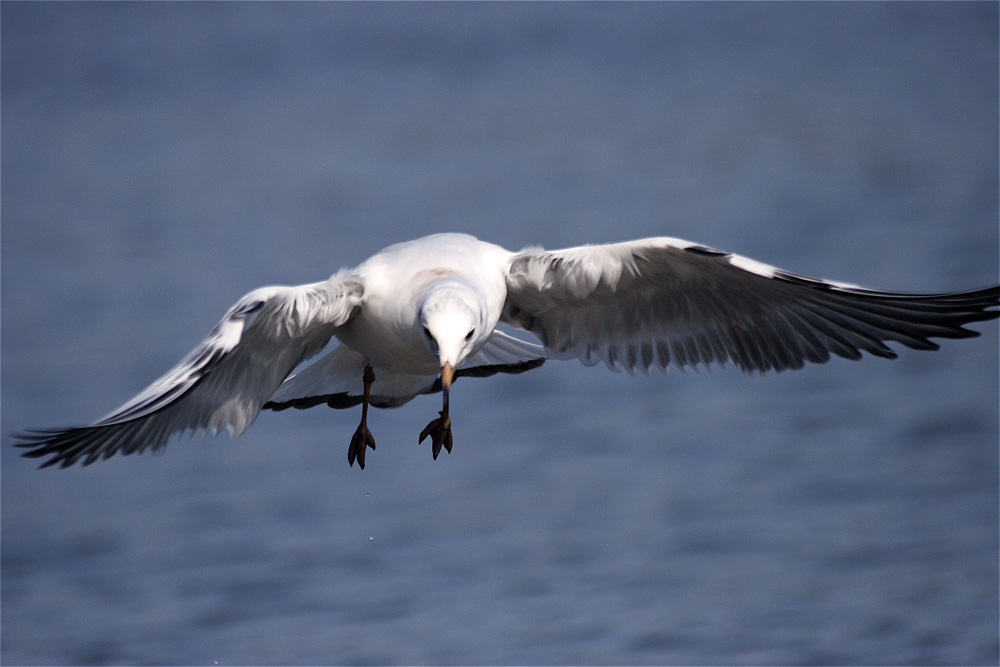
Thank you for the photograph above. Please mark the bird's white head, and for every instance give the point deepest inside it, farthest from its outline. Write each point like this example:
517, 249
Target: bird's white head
453, 322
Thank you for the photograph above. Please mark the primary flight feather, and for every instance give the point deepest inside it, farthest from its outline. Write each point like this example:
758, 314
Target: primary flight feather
418, 315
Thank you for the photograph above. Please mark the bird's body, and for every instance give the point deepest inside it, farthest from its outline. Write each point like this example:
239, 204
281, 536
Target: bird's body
397, 281
418, 314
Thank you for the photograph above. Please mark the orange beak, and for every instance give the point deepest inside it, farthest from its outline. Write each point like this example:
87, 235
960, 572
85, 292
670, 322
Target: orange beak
447, 374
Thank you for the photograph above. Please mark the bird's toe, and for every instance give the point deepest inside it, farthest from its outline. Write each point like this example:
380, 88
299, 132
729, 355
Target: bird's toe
361, 440
440, 432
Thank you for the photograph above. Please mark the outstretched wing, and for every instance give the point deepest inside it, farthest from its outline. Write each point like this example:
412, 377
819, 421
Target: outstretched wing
663, 301
223, 382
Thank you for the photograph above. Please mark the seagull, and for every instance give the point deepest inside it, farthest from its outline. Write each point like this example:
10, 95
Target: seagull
418, 315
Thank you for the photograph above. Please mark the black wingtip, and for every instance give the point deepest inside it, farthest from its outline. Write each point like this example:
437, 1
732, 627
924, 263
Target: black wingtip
44, 442
74, 445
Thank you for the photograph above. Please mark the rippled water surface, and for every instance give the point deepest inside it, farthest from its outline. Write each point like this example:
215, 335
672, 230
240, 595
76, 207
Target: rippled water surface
159, 160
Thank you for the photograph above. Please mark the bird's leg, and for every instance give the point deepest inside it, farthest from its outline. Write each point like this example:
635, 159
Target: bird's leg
362, 437
440, 428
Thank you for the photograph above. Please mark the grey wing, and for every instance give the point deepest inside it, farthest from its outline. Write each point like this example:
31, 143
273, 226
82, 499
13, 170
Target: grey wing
663, 301
502, 353
222, 383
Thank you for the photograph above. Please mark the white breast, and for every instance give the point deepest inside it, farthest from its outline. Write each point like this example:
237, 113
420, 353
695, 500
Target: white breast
387, 329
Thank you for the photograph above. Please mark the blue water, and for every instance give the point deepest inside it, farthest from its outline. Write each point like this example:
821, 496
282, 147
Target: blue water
160, 160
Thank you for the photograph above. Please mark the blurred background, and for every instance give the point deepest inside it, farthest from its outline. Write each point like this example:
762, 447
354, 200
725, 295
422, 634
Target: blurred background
160, 160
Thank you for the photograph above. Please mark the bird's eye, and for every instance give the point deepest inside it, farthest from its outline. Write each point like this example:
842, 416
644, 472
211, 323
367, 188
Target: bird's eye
468, 336
427, 332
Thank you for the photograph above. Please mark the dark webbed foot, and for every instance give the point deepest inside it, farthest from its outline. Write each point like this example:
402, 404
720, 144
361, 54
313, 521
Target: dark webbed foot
440, 432
362, 439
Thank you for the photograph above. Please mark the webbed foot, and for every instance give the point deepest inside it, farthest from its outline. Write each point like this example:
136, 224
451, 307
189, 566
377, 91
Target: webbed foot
362, 438
359, 443
440, 432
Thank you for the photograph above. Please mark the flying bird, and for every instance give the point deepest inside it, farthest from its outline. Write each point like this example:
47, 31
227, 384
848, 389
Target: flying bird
418, 315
